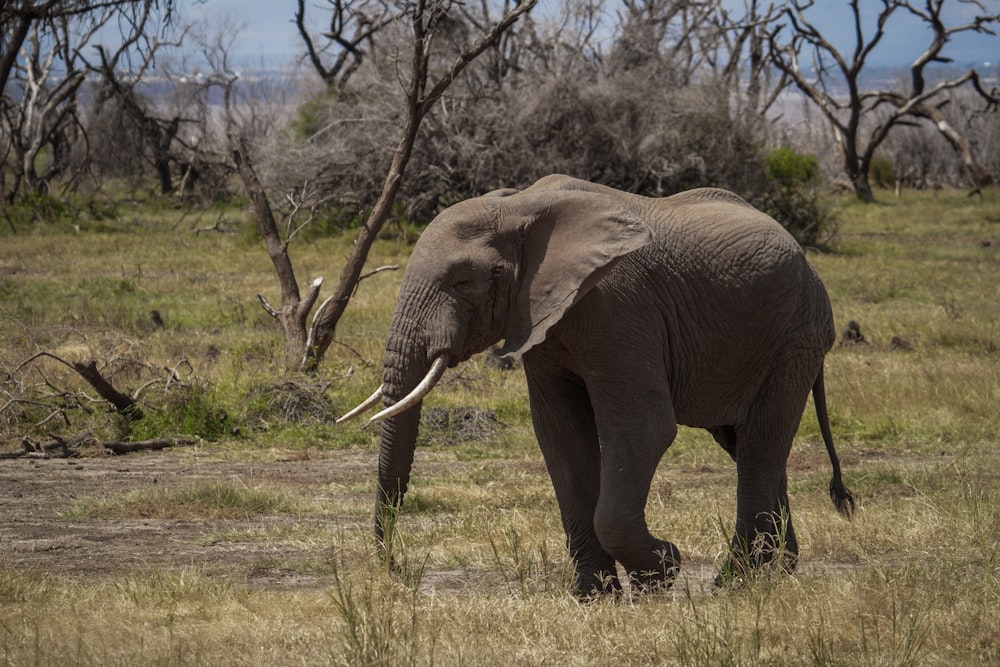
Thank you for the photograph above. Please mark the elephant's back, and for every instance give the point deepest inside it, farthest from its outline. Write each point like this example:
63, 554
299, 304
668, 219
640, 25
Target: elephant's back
703, 195
715, 253
718, 232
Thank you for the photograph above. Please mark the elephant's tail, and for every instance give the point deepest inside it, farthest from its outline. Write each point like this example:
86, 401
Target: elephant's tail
841, 496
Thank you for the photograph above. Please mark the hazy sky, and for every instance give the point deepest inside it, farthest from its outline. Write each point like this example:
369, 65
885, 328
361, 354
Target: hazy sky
267, 35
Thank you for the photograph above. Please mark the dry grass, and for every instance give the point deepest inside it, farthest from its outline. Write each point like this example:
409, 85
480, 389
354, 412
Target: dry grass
913, 580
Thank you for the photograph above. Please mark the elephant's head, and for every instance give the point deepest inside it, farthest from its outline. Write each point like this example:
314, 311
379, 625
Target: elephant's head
498, 267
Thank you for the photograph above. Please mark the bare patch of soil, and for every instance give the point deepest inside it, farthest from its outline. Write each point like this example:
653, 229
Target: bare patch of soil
36, 535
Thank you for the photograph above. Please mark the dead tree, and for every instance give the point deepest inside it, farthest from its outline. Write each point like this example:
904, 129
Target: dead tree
123, 403
294, 311
739, 54
157, 133
43, 60
862, 120
422, 94
307, 346
339, 51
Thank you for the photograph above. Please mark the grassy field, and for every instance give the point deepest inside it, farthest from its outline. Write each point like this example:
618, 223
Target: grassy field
286, 496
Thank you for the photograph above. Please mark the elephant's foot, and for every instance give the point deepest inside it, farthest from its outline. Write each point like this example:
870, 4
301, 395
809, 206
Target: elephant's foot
658, 574
593, 585
763, 556
596, 576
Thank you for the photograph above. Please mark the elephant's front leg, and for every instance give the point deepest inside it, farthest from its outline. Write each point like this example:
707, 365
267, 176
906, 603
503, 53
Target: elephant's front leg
564, 426
636, 423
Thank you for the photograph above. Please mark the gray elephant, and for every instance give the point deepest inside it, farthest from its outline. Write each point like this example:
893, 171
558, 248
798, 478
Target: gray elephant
631, 315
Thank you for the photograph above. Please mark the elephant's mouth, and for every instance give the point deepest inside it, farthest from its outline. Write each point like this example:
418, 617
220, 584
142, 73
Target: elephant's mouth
418, 393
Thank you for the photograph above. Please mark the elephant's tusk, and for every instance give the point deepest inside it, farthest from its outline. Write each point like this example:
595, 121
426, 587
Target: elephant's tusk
365, 406
433, 375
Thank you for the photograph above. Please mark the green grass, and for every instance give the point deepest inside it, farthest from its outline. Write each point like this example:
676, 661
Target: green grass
208, 500
914, 579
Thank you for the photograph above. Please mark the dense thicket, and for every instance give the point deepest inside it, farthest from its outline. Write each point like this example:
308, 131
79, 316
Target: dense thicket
650, 121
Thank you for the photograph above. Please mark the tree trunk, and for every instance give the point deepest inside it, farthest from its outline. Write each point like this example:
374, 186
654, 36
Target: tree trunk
15, 38
163, 174
294, 311
333, 308
862, 188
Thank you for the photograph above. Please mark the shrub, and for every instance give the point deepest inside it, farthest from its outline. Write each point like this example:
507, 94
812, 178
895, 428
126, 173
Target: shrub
881, 172
791, 196
189, 410
789, 168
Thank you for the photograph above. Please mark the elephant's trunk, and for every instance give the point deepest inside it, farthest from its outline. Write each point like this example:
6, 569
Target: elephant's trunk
407, 375
401, 373
417, 351
395, 458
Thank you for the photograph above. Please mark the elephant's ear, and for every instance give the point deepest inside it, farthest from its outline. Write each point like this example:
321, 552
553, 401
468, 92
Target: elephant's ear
570, 240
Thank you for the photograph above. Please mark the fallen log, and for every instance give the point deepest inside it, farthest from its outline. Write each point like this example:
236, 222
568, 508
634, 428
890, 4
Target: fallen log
65, 448
146, 445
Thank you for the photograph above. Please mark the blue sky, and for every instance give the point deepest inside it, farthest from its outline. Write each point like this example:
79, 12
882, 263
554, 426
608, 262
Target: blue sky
269, 37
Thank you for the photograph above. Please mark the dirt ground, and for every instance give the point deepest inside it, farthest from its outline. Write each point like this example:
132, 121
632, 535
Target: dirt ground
36, 536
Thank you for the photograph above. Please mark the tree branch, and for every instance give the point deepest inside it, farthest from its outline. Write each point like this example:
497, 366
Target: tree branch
122, 402
276, 249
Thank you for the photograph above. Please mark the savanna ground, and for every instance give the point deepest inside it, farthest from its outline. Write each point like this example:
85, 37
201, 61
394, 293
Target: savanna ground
253, 546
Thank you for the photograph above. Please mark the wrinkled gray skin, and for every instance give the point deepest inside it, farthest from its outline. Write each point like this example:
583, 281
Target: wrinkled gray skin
632, 315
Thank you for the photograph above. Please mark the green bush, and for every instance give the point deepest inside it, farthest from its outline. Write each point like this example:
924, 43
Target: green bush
191, 410
789, 168
881, 173
791, 195
36, 208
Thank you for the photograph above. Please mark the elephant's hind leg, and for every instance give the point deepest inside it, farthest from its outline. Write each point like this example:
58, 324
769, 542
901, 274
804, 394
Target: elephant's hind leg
564, 426
764, 534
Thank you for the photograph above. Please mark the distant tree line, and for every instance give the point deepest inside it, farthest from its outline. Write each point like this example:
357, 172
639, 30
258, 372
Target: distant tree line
651, 96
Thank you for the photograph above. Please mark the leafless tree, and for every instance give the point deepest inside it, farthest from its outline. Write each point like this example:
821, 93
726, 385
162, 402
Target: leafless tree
862, 119
339, 51
666, 39
169, 120
423, 86
42, 69
738, 53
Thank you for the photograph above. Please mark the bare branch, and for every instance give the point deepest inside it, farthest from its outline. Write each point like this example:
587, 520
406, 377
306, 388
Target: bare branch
352, 26
122, 402
387, 267
276, 248
846, 116
268, 308
39, 355
53, 415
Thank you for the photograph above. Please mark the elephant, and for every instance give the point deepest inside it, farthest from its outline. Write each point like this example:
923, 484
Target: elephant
630, 315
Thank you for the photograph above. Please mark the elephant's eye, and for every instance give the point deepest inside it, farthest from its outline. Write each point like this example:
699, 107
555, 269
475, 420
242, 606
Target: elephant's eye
464, 284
